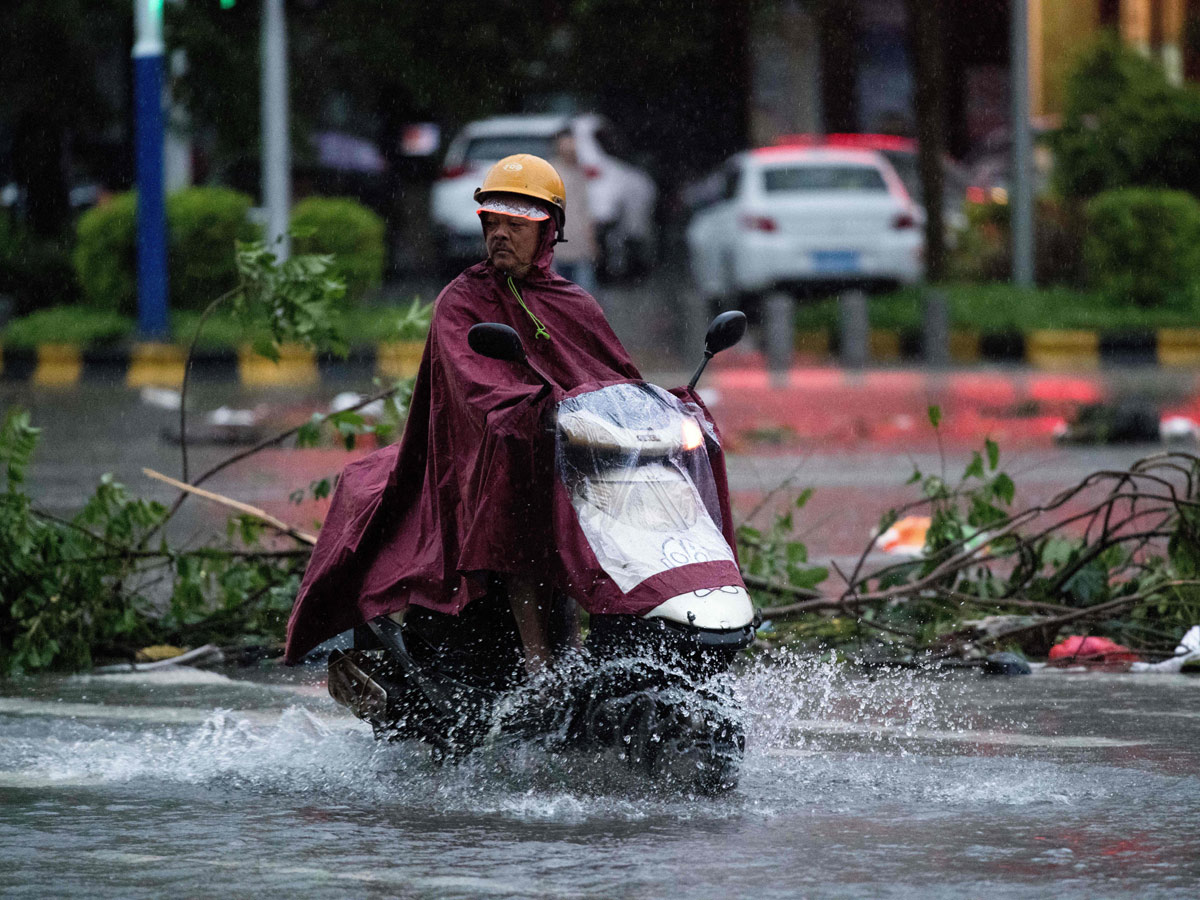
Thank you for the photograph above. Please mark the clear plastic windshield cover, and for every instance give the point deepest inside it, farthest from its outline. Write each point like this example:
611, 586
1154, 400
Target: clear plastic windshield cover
634, 461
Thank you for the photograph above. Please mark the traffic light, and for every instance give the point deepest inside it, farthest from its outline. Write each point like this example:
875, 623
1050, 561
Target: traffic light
227, 4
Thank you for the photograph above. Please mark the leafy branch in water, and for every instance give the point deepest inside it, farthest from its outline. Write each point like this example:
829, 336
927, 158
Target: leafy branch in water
1117, 553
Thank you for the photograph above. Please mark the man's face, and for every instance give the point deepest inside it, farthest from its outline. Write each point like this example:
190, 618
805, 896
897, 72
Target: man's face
511, 242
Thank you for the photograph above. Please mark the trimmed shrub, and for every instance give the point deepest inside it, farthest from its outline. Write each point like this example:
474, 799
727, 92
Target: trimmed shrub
67, 324
1125, 125
348, 230
105, 254
202, 225
1143, 245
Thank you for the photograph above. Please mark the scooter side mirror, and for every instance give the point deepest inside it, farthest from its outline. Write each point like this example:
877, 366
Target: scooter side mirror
496, 341
724, 331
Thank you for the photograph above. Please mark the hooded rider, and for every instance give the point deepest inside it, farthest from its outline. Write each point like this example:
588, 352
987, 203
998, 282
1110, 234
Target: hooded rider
458, 516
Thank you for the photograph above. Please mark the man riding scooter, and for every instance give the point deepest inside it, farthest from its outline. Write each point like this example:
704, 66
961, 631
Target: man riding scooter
536, 469
456, 518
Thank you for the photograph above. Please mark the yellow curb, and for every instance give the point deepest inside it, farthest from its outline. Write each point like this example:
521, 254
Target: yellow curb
884, 345
813, 343
155, 365
1179, 346
297, 366
58, 365
964, 346
398, 359
1063, 349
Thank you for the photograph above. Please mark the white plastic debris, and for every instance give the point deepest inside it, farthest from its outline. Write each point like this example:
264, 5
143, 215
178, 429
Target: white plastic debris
224, 415
1188, 649
347, 399
1178, 428
163, 398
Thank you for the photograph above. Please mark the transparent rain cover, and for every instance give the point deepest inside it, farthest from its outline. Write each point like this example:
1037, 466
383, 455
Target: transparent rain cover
635, 464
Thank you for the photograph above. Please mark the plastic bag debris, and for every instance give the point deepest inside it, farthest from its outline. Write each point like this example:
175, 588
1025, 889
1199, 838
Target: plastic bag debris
1187, 656
1093, 652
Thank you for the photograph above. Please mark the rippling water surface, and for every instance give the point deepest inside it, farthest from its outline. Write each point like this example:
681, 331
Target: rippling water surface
192, 783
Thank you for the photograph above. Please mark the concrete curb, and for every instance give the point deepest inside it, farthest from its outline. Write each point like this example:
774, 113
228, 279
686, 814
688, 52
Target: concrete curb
1054, 350
161, 365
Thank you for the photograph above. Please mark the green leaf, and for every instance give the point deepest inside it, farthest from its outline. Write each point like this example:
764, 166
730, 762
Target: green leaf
1088, 584
993, 453
309, 434
1004, 489
975, 467
803, 497
809, 577
935, 416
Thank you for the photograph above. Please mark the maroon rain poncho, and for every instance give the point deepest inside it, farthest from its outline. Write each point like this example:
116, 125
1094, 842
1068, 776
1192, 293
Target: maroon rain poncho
470, 488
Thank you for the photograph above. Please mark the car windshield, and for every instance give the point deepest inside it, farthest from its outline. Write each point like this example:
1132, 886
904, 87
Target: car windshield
797, 179
489, 149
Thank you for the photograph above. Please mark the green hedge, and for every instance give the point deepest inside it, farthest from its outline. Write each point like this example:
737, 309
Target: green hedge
202, 225
1143, 245
67, 325
1125, 125
105, 254
348, 230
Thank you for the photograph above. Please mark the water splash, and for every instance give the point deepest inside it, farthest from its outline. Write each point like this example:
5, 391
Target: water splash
819, 735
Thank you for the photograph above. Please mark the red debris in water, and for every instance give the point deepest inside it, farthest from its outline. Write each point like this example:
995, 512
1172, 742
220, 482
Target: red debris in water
1091, 651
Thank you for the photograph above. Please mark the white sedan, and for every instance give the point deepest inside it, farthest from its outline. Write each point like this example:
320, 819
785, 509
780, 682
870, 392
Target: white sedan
803, 219
621, 196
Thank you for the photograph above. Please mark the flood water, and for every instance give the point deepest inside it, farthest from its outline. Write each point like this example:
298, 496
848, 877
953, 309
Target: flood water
191, 783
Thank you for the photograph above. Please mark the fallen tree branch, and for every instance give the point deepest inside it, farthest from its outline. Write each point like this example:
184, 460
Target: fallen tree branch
1090, 612
260, 514
250, 451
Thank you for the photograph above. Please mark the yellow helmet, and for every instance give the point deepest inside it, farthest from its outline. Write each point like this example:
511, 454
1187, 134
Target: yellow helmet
530, 176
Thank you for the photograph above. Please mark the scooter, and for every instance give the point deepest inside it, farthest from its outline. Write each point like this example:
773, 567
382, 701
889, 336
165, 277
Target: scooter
634, 462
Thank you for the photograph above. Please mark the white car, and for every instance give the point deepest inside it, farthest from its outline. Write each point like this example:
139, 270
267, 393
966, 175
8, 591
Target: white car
620, 195
803, 219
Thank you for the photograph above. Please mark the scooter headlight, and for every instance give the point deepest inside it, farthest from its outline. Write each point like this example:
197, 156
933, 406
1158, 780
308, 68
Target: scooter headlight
692, 436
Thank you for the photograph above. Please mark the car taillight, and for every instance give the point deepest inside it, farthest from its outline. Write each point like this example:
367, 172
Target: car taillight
591, 172
759, 223
455, 171
904, 220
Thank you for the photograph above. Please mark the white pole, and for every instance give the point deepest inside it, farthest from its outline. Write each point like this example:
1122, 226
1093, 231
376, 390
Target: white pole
276, 147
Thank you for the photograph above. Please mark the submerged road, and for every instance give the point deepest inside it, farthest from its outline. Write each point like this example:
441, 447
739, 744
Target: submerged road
253, 782
194, 783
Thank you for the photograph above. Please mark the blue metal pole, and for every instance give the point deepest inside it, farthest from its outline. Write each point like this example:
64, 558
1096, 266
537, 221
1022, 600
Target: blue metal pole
148, 137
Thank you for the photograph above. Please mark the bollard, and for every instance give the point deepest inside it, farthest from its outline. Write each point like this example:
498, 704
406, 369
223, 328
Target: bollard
780, 337
855, 328
935, 330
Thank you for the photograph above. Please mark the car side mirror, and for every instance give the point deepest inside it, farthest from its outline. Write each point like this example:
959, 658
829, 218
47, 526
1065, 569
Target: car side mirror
496, 341
724, 331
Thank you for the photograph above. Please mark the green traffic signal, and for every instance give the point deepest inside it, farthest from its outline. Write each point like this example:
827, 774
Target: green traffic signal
227, 4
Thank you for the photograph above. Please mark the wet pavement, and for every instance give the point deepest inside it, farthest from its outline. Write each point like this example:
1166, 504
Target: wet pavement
855, 439
252, 782
197, 784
